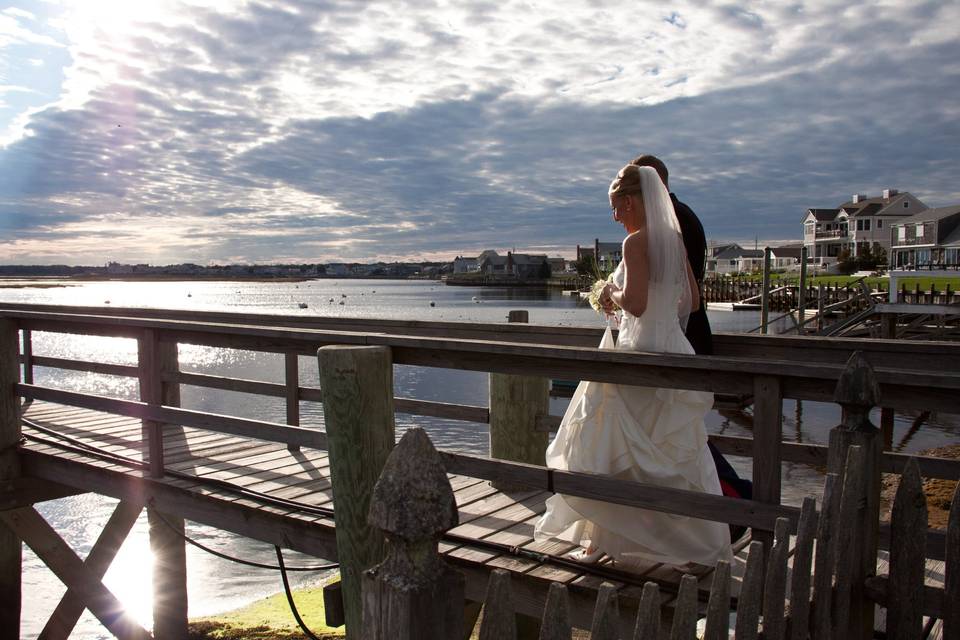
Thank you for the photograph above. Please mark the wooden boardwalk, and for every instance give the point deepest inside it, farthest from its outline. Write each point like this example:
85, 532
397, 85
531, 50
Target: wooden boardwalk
201, 459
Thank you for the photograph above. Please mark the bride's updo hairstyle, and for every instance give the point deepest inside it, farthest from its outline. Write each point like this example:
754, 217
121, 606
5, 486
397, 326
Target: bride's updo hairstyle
627, 182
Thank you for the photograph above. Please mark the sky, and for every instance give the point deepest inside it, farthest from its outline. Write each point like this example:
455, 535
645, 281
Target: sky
206, 131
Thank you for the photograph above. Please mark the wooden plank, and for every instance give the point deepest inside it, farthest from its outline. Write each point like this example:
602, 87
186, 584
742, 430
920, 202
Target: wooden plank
102, 368
60, 559
801, 574
214, 422
951, 582
64, 618
908, 522
751, 594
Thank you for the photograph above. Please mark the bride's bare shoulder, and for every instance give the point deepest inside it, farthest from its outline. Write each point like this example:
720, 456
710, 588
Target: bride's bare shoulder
636, 239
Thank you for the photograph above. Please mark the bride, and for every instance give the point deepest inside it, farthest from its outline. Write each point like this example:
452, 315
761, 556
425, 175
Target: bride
655, 436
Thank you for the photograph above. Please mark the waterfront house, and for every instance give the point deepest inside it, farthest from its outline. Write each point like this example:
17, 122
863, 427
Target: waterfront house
731, 259
521, 265
855, 225
466, 265
927, 240
606, 254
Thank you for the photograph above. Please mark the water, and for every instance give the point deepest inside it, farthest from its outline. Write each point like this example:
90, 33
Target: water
217, 585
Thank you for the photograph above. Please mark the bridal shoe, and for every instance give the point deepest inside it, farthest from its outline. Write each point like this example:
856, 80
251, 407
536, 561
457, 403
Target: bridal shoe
582, 556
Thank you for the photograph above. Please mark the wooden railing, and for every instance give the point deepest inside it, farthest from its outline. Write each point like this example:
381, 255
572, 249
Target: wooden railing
771, 369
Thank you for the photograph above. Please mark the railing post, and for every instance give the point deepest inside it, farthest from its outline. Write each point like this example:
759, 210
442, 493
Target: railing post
357, 385
857, 392
413, 594
292, 382
166, 530
515, 403
10, 554
767, 423
27, 356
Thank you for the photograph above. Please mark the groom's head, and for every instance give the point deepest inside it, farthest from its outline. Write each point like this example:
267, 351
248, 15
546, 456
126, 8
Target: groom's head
647, 160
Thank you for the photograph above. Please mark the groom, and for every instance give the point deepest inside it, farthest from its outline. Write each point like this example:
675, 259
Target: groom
695, 242
698, 326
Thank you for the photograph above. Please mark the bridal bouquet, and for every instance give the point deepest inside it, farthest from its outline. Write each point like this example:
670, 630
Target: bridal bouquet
596, 290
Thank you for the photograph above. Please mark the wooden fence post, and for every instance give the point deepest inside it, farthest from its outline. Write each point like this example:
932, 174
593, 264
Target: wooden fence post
10, 554
515, 403
413, 594
166, 529
857, 392
767, 421
357, 385
908, 527
802, 291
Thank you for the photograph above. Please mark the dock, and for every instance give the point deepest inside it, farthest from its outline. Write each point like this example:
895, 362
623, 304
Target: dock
273, 481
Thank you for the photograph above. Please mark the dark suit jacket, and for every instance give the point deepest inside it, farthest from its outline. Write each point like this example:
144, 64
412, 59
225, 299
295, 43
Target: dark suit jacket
695, 242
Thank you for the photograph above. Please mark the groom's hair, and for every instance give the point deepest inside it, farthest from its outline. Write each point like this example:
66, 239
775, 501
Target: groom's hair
647, 160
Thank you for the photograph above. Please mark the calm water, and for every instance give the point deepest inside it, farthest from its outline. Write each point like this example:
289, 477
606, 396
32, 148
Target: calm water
217, 585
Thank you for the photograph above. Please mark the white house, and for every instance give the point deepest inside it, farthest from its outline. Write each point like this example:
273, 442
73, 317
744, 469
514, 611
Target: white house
862, 222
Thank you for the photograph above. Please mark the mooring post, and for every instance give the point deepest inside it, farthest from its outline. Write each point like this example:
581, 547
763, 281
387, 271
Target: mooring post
170, 598
357, 383
413, 594
10, 555
765, 291
857, 392
515, 403
802, 291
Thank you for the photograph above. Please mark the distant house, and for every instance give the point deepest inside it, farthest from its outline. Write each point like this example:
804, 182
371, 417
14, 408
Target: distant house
466, 265
521, 265
929, 239
732, 258
606, 254
855, 225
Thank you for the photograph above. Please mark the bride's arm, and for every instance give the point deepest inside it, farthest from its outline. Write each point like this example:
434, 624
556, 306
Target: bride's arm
633, 297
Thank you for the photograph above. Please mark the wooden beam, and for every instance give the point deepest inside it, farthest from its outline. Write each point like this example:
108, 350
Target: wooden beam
71, 606
59, 558
10, 554
23, 492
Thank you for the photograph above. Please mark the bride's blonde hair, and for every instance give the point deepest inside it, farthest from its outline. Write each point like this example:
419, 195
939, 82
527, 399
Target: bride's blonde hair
627, 182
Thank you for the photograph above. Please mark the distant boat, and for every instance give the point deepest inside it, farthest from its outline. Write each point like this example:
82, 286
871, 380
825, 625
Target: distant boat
302, 305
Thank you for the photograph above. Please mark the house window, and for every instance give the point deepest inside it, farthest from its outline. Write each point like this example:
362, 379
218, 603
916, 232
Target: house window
902, 233
906, 205
879, 223
919, 231
863, 225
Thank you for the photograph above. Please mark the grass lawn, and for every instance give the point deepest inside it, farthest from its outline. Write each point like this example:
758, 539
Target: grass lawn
268, 619
778, 279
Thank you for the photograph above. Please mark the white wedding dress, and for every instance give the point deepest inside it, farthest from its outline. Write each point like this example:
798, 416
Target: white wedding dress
655, 436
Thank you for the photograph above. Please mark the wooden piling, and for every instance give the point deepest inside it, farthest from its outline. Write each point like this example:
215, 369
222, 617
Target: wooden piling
291, 377
413, 594
357, 385
10, 554
857, 392
765, 292
166, 529
802, 291
515, 403
767, 421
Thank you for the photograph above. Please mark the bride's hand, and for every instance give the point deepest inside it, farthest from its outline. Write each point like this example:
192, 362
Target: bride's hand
606, 301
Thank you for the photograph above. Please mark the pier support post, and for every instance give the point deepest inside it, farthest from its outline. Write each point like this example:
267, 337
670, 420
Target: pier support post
802, 291
170, 601
857, 392
515, 403
765, 292
357, 385
10, 553
413, 594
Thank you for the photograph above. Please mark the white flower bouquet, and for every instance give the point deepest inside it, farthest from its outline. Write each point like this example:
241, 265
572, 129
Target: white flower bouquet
596, 290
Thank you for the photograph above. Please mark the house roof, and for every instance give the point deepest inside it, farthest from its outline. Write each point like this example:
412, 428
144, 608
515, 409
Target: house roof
930, 214
738, 252
792, 251
822, 215
527, 258
609, 247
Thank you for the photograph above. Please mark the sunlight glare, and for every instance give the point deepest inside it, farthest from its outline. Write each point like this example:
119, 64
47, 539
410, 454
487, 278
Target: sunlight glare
130, 577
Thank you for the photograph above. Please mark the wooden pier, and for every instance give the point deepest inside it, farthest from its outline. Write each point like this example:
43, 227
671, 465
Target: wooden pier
273, 481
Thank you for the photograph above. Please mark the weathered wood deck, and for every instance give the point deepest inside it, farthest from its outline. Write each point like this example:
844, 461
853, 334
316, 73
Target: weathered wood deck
486, 514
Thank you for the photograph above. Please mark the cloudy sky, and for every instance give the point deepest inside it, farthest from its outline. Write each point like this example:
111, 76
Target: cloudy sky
322, 130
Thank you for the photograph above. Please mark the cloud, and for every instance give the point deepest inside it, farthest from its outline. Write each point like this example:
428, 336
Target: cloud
332, 131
